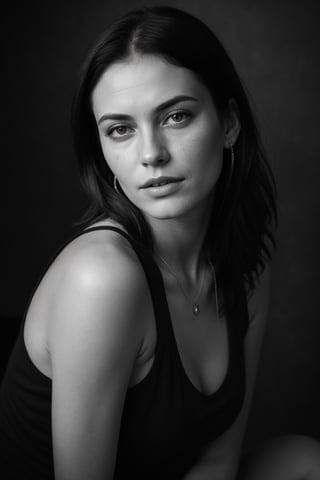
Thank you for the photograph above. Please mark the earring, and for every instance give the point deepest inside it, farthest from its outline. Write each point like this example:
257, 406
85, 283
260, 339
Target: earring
232, 159
231, 163
115, 186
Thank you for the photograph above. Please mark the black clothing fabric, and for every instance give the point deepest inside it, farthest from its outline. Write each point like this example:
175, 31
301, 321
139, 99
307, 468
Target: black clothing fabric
166, 421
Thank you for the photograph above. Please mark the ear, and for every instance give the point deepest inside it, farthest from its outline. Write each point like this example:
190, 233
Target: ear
232, 124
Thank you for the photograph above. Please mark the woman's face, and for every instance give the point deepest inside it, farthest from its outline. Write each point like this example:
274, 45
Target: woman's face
160, 134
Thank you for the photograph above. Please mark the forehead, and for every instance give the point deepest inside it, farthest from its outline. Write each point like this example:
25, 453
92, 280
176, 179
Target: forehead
144, 80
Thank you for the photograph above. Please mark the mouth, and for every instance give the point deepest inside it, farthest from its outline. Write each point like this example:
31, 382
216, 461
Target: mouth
160, 181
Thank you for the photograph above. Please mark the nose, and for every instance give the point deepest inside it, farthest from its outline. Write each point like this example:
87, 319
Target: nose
154, 151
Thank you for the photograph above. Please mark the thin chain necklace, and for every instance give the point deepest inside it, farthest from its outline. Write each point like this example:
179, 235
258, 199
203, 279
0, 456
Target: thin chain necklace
195, 304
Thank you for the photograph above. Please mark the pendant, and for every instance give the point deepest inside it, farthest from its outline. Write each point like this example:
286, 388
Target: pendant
195, 309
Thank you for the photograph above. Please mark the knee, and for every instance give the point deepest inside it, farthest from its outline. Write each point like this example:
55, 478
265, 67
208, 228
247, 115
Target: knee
302, 450
309, 450
289, 457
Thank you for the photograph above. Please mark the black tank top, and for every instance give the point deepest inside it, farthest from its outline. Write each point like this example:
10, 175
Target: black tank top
166, 421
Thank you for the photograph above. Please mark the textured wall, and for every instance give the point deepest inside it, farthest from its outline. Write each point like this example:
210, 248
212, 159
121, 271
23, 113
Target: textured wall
275, 48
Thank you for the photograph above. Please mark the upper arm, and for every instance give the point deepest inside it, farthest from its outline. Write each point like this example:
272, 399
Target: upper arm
95, 337
224, 452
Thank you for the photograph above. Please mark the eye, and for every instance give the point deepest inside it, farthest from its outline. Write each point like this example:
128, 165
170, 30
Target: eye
177, 118
119, 132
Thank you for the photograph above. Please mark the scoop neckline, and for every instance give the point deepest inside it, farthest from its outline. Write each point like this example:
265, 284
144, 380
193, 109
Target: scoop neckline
186, 377
158, 352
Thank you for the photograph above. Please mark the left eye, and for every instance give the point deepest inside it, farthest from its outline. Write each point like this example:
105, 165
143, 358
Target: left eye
177, 118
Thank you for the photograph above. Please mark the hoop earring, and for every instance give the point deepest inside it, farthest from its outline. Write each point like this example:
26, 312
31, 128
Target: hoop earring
115, 186
232, 158
232, 162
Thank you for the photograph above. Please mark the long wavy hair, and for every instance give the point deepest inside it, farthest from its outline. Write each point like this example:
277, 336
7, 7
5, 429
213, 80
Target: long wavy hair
240, 236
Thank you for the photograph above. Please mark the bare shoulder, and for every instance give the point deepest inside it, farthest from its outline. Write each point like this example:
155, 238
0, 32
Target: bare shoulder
95, 254
99, 286
100, 260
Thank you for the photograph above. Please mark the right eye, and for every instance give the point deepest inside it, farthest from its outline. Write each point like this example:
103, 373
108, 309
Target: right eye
119, 132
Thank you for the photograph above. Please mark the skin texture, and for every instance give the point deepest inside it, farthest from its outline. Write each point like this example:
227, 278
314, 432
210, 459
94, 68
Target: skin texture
184, 140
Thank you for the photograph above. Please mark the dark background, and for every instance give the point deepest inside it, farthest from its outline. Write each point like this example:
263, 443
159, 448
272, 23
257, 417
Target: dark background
275, 47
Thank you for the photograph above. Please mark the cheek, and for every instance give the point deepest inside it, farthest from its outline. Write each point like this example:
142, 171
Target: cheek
113, 159
212, 139
205, 150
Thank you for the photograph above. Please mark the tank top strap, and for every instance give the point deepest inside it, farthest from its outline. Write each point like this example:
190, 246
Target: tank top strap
152, 273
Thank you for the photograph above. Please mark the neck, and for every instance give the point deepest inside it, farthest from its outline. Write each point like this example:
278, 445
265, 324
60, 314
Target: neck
179, 242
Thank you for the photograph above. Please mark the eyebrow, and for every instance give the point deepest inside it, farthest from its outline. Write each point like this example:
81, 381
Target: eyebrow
163, 106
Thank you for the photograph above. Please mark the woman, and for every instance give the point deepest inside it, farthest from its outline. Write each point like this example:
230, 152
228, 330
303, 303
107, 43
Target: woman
140, 344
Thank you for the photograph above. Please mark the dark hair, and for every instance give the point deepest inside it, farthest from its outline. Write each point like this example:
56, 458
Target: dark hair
240, 234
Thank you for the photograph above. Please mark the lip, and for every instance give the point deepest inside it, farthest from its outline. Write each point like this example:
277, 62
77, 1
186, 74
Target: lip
157, 182
163, 189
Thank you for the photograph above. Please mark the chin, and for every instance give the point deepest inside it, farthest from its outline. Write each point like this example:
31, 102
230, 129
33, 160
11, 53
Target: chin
166, 213
160, 216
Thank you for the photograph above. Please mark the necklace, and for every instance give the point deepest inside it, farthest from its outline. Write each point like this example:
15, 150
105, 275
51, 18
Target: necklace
195, 304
